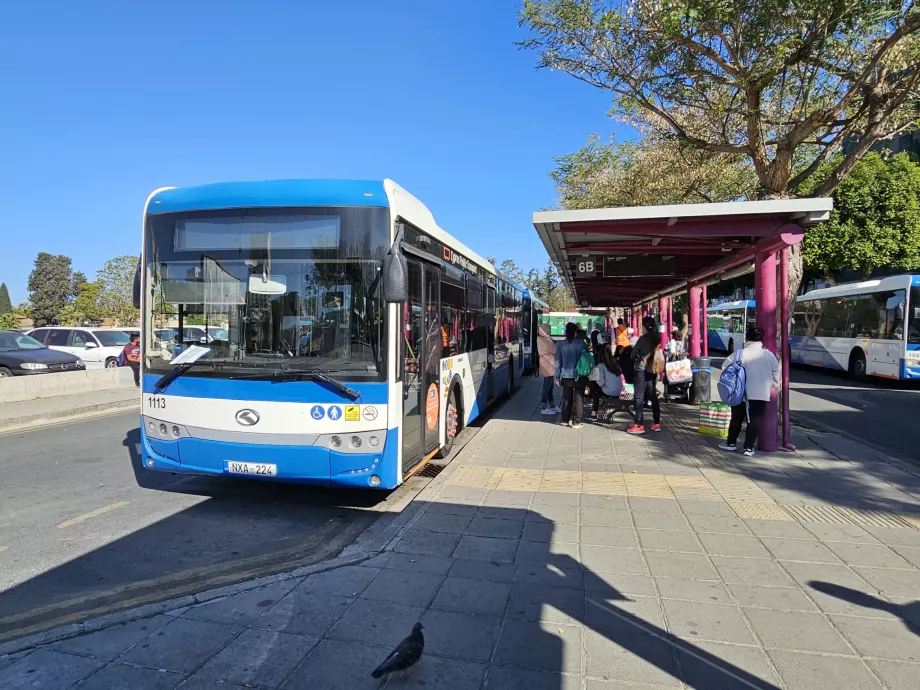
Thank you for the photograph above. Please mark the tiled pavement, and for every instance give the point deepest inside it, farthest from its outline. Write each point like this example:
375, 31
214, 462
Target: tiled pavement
550, 558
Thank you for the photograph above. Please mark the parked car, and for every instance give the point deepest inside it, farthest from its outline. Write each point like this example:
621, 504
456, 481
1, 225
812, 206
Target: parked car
192, 334
22, 355
97, 347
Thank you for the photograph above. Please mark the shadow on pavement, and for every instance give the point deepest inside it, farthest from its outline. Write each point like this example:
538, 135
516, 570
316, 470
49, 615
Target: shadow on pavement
909, 613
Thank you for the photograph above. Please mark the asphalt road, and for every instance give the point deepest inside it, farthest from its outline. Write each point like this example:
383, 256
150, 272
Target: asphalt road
79, 536
881, 413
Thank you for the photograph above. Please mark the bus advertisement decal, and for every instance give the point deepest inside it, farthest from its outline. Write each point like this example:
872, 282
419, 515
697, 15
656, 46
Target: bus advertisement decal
431, 407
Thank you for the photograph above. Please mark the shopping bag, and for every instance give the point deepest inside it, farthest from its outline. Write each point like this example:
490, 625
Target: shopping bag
628, 393
714, 419
679, 371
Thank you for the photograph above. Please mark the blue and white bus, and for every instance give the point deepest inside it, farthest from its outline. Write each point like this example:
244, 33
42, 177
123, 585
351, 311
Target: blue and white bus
536, 311
352, 338
728, 323
871, 327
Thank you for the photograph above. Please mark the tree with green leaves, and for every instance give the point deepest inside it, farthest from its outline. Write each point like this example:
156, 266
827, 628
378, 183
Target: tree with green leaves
876, 218
71, 315
117, 295
50, 287
8, 321
6, 307
87, 301
782, 84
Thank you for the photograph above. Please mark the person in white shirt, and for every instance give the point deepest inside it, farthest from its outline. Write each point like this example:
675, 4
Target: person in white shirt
675, 349
761, 373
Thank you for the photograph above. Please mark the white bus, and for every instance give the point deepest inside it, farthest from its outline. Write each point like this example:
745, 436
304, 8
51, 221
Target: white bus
728, 322
871, 327
359, 336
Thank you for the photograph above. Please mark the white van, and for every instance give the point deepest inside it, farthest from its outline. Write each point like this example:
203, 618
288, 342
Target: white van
97, 347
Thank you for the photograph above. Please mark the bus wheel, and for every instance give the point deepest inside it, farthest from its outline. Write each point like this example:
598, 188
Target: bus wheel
731, 345
452, 423
857, 368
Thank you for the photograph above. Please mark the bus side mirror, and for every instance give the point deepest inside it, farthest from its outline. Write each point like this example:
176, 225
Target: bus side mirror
395, 279
137, 286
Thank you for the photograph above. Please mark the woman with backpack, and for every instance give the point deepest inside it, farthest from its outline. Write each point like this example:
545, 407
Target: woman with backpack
761, 377
649, 363
546, 350
571, 376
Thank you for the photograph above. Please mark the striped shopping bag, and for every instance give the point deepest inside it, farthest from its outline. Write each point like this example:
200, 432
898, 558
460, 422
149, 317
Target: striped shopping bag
714, 419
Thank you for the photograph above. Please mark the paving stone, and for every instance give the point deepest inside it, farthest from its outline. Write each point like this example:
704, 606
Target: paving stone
751, 571
447, 523
553, 513
553, 499
717, 666
894, 536
784, 598
609, 517
416, 563
243, 608
718, 525
897, 675
305, 613
814, 672
10, 659
613, 585
715, 508
507, 499
507, 678
124, 677
495, 527
540, 646
694, 620
733, 545
850, 533
893, 583
606, 467
544, 603
339, 665
427, 543
653, 505
598, 535
259, 657
434, 673
487, 549
666, 540
47, 669
909, 553
391, 585
800, 550
535, 553
666, 521
461, 509
549, 532
622, 615
348, 581
378, 622
552, 575
469, 493
590, 502
885, 639
612, 559
631, 658
472, 596
690, 566
693, 590
182, 645
797, 630
781, 529
460, 635
872, 555
108, 643
483, 570
201, 683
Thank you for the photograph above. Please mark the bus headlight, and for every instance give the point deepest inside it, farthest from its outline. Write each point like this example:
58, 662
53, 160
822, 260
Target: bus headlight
336, 441
355, 441
375, 480
151, 427
176, 432
163, 430
374, 441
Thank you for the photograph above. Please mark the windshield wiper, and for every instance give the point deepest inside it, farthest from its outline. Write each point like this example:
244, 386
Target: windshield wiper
317, 375
178, 370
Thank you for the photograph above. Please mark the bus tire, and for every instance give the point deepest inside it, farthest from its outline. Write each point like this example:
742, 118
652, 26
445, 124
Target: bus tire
857, 368
453, 421
731, 345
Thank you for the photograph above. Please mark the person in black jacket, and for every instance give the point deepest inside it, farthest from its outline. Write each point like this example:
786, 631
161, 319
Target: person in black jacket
646, 386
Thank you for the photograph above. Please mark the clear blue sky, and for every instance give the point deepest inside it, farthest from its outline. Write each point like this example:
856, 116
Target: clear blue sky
104, 101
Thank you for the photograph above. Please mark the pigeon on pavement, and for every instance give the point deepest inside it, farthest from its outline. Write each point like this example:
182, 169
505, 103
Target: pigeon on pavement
405, 655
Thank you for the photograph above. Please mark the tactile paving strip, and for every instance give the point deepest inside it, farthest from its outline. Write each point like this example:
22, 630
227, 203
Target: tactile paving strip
760, 511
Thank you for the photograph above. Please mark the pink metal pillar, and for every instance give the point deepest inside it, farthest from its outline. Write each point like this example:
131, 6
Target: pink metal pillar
784, 342
695, 294
765, 297
705, 329
663, 328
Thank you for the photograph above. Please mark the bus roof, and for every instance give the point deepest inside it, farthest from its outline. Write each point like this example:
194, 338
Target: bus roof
741, 304
900, 282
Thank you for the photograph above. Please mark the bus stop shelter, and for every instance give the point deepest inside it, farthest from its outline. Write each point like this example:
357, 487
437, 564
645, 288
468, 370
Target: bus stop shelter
640, 257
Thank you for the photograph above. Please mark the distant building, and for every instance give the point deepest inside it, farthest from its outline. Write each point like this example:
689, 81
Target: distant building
907, 141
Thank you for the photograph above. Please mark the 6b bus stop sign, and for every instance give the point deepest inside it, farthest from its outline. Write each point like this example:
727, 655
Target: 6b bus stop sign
586, 267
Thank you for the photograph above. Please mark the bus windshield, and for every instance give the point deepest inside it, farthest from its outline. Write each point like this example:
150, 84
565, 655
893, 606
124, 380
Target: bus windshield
913, 320
284, 288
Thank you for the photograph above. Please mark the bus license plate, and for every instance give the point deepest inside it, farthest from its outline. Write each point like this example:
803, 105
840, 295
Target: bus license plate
256, 468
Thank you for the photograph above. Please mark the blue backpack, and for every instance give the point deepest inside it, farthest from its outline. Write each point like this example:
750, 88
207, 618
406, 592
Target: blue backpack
733, 381
120, 360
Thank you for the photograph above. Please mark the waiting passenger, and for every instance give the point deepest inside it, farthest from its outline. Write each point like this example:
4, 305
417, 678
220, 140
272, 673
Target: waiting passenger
761, 373
649, 362
546, 351
568, 353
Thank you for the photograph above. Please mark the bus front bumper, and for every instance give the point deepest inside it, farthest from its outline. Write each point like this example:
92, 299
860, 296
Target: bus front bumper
304, 464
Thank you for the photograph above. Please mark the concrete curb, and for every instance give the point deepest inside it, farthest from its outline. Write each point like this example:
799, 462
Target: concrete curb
37, 421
